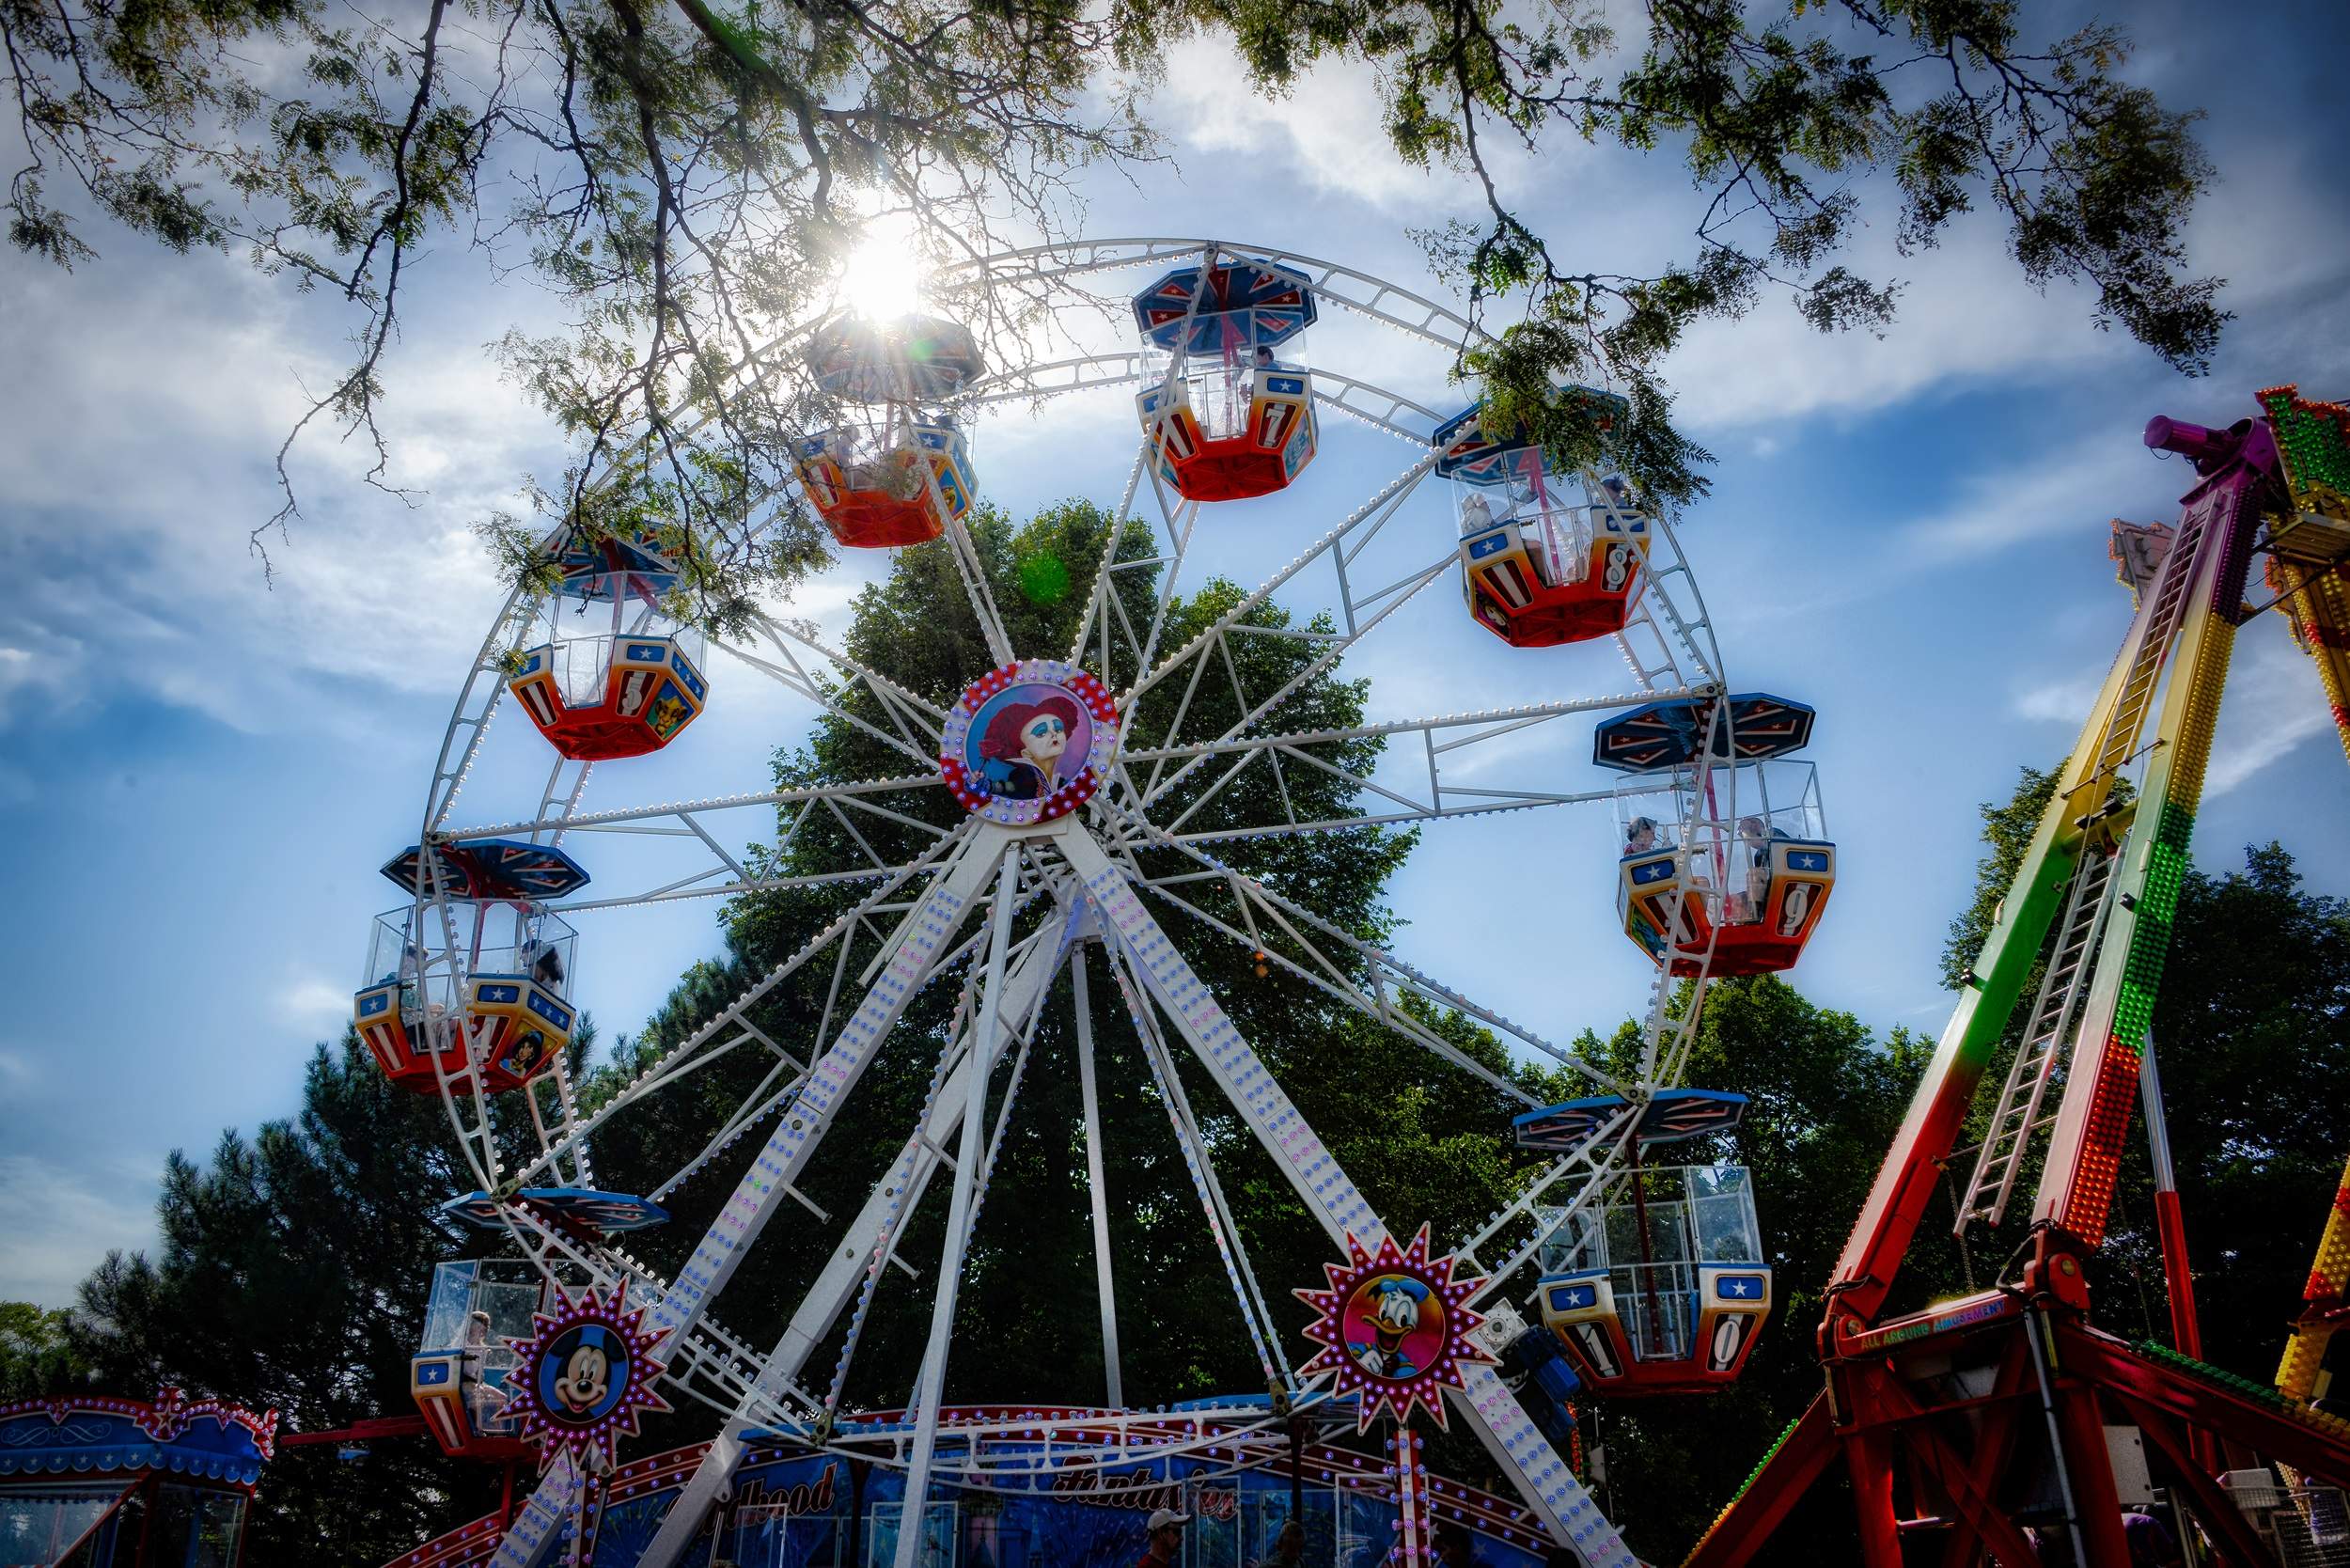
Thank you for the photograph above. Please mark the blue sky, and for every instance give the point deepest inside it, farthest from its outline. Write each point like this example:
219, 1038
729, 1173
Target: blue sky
200, 771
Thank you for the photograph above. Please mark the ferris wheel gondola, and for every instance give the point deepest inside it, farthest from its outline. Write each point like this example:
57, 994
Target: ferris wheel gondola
1227, 399
1096, 838
1546, 558
895, 467
1727, 864
614, 673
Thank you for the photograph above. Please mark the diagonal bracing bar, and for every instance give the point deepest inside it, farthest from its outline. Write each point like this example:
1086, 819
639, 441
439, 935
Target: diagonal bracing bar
923, 935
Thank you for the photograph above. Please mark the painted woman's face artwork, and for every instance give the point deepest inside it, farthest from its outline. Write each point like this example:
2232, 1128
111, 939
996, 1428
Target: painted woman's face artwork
1044, 739
1027, 743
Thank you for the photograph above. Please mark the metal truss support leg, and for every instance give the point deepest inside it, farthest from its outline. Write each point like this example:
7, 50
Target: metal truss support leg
1869, 1455
1095, 1187
948, 1287
835, 1287
1524, 1454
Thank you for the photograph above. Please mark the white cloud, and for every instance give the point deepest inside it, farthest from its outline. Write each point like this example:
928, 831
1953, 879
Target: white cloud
2064, 701
59, 1226
19, 1069
143, 422
307, 999
2070, 490
1329, 128
2273, 705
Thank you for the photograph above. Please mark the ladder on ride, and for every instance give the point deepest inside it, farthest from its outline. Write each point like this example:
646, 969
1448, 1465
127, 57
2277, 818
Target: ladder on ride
2062, 989
2065, 987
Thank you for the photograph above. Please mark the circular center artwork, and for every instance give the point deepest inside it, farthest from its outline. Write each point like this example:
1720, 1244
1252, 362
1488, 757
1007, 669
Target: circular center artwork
1029, 742
586, 1372
582, 1374
1394, 1326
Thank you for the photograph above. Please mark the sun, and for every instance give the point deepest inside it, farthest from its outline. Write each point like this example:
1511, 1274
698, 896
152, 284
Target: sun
882, 278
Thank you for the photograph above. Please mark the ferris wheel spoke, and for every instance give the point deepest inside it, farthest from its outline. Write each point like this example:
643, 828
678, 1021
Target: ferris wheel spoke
1264, 1330
916, 721
653, 818
1322, 1185
1427, 782
1384, 973
828, 1084
731, 1026
1570, 1184
1321, 662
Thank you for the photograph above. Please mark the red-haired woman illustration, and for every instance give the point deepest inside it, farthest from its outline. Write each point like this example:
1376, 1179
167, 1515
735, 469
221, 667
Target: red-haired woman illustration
1023, 746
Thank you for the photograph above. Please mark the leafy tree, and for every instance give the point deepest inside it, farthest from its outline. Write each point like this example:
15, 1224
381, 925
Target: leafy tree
37, 1353
685, 179
2253, 1045
1422, 1137
293, 1276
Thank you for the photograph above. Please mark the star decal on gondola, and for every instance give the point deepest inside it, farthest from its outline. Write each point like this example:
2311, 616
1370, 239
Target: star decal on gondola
585, 1374
1394, 1327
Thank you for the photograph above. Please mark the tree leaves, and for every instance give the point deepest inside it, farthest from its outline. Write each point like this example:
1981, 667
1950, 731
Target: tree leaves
687, 178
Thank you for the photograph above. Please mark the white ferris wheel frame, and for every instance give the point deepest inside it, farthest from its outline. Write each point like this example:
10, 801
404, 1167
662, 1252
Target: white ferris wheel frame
1083, 872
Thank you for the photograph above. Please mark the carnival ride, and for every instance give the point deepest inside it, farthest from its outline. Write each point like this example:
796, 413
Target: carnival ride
1083, 786
1966, 1424
106, 1482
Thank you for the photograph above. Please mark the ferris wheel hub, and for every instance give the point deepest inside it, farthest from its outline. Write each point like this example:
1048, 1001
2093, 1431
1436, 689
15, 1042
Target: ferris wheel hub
1028, 742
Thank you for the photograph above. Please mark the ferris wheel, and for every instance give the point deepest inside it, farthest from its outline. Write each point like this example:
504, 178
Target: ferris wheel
1073, 817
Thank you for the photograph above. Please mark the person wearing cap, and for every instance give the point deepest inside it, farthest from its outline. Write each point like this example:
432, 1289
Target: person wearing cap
1165, 1532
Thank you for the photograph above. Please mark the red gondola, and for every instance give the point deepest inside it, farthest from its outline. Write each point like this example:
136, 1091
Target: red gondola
895, 469
1227, 399
1546, 558
615, 675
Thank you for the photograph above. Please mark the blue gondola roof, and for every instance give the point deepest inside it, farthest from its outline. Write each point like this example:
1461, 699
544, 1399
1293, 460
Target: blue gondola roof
1664, 734
1278, 302
913, 359
95, 1436
634, 564
607, 1211
492, 869
1671, 1114
1467, 452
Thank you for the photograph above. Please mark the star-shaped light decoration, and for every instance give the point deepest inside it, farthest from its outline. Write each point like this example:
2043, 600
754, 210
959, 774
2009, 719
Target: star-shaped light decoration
586, 1372
1394, 1328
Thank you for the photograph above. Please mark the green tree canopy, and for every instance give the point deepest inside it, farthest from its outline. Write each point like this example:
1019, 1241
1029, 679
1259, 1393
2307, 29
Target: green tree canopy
1426, 1140
686, 178
293, 1276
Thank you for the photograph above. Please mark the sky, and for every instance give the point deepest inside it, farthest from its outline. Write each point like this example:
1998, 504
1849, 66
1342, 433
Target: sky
201, 765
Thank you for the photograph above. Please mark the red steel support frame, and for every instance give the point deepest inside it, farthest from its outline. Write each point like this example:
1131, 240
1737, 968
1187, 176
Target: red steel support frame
1895, 1392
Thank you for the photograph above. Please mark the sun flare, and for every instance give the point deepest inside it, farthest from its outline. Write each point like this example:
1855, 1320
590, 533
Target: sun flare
883, 277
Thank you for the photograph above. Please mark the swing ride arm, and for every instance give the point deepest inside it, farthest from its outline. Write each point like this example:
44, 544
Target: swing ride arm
2184, 623
2157, 706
